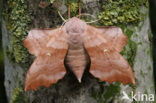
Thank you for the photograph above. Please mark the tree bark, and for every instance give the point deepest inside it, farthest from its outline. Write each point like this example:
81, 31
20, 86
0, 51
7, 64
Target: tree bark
20, 16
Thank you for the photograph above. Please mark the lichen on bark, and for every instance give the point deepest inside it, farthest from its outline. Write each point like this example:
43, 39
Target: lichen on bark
17, 23
18, 96
117, 12
21, 13
130, 16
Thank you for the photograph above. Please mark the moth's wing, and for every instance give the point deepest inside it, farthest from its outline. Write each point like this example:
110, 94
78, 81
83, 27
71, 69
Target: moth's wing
106, 62
37, 39
114, 35
48, 67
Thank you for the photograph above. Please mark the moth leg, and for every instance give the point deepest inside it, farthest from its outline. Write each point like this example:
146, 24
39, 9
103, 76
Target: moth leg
79, 9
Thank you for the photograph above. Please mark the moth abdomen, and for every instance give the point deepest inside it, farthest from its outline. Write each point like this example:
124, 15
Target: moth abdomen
77, 60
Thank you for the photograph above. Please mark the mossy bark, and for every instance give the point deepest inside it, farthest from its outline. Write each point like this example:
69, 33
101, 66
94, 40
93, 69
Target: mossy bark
20, 16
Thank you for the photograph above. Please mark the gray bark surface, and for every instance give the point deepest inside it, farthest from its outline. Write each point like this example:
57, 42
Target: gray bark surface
69, 90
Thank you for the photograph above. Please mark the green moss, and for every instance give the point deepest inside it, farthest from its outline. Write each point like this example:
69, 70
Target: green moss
153, 84
122, 12
17, 17
133, 87
130, 49
154, 100
51, 1
149, 68
142, 74
18, 96
107, 92
10, 53
129, 32
150, 52
74, 7
145, 91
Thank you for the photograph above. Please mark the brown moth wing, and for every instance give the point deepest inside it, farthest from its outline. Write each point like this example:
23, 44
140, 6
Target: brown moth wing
48, 67
114, 35
106, 62
37, 39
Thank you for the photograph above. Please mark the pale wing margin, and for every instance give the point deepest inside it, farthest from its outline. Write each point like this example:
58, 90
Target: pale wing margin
106, 62
48, 67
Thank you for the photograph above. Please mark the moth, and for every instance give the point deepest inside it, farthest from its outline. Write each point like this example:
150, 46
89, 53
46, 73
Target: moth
75, 44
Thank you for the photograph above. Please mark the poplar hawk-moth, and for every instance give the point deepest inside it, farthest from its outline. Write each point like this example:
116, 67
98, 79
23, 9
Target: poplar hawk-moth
71, 44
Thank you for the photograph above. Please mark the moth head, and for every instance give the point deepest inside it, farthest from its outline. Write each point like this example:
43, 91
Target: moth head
75, 25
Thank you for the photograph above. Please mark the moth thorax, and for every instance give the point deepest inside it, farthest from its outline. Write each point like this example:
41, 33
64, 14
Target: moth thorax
75, 38
75, 25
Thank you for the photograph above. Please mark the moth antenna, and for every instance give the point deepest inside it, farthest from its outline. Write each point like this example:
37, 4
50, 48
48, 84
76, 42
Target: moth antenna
62, 25
93, 21
68, 9
79, 9
61, 16
86, 14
